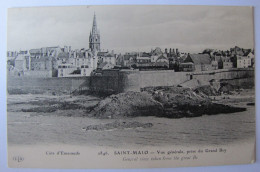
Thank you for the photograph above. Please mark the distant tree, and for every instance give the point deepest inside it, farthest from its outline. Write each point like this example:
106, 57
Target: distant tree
207, 51
134, 66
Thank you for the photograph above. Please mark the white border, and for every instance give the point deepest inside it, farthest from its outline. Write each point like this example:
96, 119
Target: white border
4, 4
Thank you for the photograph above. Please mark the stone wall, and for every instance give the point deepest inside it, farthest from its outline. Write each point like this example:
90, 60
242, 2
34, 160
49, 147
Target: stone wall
161, 78
115, 81
63, 85
38, 73
223, 74
104, 84
133, 80
245, 83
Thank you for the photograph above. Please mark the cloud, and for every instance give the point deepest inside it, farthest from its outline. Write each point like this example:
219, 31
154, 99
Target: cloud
126, 28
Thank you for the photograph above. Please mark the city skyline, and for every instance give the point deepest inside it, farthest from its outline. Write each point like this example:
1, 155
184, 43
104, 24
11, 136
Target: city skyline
131, 28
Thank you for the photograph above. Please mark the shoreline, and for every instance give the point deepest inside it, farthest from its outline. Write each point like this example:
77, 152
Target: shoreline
170, 102
67, 126
45, 104
236, 98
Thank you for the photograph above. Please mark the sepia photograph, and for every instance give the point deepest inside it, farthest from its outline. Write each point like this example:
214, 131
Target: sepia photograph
127, 86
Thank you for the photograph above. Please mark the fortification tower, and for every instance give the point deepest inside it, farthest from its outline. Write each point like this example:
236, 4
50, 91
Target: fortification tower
94, 37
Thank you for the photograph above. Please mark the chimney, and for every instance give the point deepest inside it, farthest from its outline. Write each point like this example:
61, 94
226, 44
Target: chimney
65, 49
74, 54
177, 51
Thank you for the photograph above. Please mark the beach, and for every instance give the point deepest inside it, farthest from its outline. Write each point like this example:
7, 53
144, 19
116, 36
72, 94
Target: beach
67, 126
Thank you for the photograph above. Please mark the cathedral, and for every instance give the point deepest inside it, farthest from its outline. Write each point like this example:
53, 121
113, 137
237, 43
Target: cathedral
94, 37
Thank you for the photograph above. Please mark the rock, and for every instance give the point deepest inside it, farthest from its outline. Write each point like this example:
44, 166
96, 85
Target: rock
207, 90
128, 104
117, 125
40, 109
227, 88
170, 102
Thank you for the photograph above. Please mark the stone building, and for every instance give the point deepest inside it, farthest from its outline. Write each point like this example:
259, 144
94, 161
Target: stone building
11, 56
104, 66
20, 63
155, 54
243, 62
41, 64
227, 63
202, 62
107, 57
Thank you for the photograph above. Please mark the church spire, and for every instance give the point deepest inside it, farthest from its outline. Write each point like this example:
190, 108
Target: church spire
94, 26
94, 37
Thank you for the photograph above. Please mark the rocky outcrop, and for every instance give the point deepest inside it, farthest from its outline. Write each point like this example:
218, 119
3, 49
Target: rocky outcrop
207, 90
129, 104
170, 102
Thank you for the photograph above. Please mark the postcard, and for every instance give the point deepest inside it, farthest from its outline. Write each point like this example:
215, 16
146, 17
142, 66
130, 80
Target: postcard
130, 86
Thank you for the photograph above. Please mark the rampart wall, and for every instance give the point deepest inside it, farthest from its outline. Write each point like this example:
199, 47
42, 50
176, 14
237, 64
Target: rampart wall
38, 74
115, 81
65, 85
223, 74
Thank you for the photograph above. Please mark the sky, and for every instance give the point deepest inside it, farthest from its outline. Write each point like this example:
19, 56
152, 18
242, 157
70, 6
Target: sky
132, 28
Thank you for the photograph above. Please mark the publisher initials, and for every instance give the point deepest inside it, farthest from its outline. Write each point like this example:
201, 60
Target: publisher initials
18, 158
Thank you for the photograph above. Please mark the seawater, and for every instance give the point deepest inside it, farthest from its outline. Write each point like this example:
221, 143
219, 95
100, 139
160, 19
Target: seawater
27, 129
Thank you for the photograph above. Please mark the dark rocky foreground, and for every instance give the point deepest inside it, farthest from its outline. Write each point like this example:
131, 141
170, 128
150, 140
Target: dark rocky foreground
170, 102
